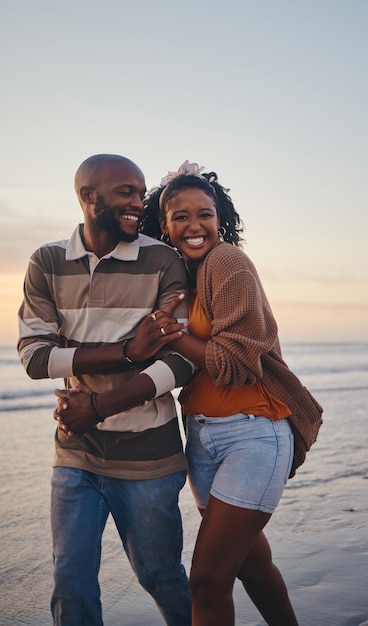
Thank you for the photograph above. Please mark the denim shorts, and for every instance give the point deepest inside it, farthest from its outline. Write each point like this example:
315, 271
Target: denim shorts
242, 459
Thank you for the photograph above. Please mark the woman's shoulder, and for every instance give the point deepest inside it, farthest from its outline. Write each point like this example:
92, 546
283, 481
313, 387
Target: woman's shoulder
225, 253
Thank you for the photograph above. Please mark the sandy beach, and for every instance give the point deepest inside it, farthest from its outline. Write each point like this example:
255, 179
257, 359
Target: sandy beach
319, 533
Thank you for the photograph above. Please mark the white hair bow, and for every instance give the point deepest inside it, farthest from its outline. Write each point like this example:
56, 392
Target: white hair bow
185, 169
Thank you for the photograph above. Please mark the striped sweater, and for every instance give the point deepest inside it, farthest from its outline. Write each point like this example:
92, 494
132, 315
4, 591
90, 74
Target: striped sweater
73, 299
244, 345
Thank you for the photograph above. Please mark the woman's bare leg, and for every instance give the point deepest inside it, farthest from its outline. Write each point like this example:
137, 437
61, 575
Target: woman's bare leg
229, 543
265, 586
225, 538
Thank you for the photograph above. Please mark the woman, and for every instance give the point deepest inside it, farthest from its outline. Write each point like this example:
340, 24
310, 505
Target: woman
240, 444
249, 420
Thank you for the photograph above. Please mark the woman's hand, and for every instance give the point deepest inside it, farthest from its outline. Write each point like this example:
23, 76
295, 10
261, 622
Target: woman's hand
156, 330
73, 411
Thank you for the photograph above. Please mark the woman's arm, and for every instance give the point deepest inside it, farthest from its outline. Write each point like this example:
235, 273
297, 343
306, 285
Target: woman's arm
243, 328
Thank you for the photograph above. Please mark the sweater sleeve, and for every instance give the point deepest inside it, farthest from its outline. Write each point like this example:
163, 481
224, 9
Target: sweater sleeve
42, 344
38, 321
171, 369
243, 327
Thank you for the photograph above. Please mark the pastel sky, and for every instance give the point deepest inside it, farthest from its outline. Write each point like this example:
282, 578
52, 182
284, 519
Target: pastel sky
271, 94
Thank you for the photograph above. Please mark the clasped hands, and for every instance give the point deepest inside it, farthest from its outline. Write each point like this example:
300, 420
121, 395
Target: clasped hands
158, 329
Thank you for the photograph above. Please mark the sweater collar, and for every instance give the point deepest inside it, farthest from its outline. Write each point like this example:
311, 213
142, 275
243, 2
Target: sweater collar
123, 251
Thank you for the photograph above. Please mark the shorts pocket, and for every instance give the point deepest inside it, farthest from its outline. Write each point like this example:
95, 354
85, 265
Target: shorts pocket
291, 457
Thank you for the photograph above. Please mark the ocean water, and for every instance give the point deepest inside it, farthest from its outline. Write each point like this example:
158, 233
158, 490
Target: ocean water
325, 504
334, 479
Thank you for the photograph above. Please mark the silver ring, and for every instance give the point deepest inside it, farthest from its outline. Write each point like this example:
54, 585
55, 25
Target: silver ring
153, 316
162, 330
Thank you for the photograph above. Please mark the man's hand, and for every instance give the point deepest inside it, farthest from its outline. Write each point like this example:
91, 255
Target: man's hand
156, 331
73, 410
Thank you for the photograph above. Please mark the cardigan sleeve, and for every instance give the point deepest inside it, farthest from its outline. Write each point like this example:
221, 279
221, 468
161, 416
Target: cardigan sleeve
244, 344
243, 326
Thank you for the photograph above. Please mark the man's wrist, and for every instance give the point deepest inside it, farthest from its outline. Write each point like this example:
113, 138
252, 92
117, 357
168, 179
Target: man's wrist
93, 406
129, 357
126, 357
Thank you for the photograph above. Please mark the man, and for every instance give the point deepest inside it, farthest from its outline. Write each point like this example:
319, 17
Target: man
83, 301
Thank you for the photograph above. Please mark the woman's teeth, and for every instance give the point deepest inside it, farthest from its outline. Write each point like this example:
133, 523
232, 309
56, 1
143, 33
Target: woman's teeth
194, 241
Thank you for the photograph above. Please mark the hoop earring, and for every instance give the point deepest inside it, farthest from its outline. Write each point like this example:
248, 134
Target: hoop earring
221, 233
165, 239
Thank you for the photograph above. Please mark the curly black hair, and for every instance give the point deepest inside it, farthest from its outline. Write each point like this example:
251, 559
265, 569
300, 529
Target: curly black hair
156, 199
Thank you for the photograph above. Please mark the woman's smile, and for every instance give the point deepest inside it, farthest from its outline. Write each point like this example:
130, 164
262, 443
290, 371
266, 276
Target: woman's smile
194, 241
192, 223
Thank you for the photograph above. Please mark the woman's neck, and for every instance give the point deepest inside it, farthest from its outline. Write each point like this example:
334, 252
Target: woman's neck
192, 268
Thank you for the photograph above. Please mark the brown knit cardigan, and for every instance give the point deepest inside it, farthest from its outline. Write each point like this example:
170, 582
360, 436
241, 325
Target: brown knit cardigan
244, 345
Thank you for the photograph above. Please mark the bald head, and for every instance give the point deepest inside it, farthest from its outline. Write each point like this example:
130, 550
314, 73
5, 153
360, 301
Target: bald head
95, 168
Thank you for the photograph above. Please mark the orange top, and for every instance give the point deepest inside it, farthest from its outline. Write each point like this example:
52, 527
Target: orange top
201, 395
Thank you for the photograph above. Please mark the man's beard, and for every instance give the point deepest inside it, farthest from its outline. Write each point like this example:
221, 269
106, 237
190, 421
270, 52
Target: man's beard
106, 220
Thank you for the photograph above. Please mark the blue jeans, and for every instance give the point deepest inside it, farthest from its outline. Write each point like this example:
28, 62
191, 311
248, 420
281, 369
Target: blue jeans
148, 520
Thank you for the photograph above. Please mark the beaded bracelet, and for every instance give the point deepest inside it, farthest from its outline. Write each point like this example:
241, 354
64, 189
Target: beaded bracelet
125, 354
93, 407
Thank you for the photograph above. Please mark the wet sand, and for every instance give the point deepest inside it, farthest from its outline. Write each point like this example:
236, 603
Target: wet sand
318, 535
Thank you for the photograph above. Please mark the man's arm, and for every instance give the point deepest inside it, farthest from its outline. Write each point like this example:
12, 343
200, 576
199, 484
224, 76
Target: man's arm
79, 410
40, 344
163, 329
169, 370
